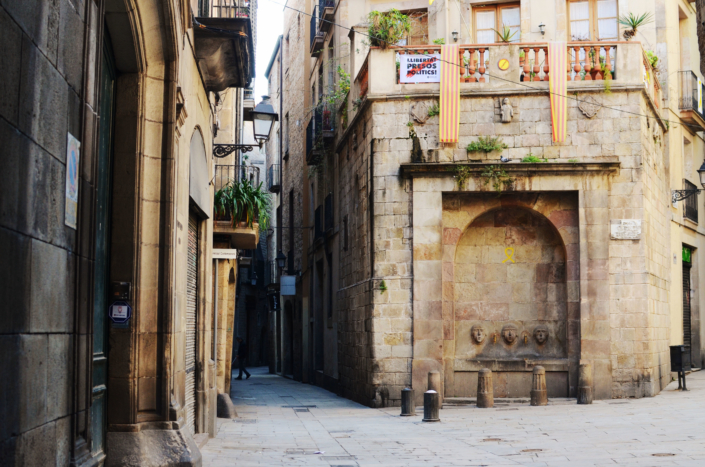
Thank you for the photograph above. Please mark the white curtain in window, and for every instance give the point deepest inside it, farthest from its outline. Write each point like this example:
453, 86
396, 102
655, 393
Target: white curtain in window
485, 25
607, 19
511, 17
580, 21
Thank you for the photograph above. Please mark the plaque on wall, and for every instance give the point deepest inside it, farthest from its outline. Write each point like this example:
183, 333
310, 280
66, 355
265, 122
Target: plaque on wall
625, 229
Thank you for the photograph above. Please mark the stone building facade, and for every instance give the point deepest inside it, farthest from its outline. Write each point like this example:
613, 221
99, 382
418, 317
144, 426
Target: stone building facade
433, 270
122, 80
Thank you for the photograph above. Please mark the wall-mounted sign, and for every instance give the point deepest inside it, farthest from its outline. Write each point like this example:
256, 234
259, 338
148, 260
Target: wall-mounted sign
222, 253
503, 64
287, 285
73, 155
420, 68
120, 312
625, 229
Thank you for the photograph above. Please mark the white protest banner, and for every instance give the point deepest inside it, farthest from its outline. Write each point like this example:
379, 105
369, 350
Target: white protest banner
420, 68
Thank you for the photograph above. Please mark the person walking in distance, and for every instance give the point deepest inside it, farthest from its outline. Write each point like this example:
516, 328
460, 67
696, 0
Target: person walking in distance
241, 357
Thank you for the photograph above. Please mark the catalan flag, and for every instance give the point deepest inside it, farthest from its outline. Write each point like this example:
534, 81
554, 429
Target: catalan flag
558, 87
450, 94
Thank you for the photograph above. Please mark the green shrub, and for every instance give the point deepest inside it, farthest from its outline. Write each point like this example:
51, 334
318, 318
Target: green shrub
487, 144
243, 202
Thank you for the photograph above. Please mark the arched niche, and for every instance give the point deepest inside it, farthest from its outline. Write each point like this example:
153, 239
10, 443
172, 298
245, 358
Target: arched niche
510, 292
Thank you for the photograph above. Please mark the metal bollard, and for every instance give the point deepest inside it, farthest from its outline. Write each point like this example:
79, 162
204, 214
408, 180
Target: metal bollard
431, 406
485, 394
434, 383
539, 396
585, 384
408, 408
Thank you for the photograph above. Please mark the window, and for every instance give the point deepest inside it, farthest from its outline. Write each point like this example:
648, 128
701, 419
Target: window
690, 206
594, 20
494, 18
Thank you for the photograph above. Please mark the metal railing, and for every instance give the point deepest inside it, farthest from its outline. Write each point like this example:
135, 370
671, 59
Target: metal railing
249, 94
225, 174
230, 9
274, 178
328, 206
317, 36
691, 92
690, 206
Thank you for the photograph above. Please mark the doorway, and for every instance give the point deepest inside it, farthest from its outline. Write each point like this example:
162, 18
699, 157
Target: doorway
102, 252
687, 327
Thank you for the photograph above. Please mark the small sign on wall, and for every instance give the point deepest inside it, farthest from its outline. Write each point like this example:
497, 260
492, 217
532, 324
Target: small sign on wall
222, 253
420, 68
287, 285
625, 229
73, 155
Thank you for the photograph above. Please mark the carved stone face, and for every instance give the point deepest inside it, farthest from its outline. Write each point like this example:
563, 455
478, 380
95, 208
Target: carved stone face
541, 334
478, 334
509, 333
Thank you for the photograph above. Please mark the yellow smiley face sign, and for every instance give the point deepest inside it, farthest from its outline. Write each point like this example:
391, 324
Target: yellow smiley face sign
503, 64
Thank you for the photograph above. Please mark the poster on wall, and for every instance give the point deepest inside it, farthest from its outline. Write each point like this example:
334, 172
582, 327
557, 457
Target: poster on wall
73, 154
420, 68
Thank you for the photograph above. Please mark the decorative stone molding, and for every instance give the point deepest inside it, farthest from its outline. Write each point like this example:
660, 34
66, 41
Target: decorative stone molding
589, 106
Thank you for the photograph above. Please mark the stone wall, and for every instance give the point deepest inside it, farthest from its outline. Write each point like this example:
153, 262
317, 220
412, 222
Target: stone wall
616, 302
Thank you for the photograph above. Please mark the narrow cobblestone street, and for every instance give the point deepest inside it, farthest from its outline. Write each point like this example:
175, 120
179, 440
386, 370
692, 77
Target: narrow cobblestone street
283, 422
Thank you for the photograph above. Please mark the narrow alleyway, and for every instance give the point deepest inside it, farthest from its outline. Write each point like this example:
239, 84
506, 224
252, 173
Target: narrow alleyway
283, 422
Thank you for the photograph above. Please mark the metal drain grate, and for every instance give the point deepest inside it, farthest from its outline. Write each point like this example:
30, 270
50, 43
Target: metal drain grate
300, 410
663, 454
492, 439
237, 420
531, 450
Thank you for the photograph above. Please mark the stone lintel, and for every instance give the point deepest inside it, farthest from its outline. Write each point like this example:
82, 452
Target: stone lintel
526, 169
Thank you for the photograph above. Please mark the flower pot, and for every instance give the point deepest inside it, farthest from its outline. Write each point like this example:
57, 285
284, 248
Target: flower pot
242, 237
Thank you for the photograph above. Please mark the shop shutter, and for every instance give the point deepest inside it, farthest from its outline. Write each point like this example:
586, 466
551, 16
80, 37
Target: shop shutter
686, 305
191, 312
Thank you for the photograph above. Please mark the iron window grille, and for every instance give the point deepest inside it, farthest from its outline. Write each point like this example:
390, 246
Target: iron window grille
690, 207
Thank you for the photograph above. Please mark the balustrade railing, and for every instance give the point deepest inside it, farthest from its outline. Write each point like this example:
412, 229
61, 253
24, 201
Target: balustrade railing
691, 92
225, 174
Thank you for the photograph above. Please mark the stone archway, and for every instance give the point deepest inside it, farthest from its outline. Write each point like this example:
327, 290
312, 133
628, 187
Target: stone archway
510, 302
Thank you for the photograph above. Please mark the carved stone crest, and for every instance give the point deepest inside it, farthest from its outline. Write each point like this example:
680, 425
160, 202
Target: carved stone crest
588, 105
419, 112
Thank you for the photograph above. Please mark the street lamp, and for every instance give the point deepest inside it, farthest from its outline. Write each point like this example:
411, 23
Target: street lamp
679, 195
542, 28
263, 117
281, 260
455, 36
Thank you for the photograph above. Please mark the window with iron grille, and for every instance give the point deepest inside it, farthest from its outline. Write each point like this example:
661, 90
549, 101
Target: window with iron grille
690, 206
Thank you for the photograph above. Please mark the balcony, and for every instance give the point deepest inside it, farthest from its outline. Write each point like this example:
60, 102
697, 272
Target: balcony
327, 9
229, 9
317, 36
225, 174
328, 217
274, 178
590, 63
690, 98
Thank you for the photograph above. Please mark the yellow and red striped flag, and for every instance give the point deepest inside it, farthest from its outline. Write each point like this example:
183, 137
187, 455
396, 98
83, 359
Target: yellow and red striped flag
450, 94
558, 87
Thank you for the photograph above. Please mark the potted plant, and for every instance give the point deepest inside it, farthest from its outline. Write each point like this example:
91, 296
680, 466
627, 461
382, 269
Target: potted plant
240, 210
522, 58
506, 35
633, 22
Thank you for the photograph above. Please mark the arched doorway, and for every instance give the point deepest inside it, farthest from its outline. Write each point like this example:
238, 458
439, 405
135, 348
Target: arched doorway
510, 303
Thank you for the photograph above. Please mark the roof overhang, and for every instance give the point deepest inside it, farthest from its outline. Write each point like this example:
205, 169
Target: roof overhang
224, 52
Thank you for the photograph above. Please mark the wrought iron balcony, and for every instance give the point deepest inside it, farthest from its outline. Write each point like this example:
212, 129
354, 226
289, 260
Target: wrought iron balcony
690, 98
317, 36
225, 174
230, 9
274, 178
327, 14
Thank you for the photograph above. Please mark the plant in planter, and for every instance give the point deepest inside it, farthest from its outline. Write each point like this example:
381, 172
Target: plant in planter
506, 35
487, 144
387, 28
632, 22
439, 41
241, 208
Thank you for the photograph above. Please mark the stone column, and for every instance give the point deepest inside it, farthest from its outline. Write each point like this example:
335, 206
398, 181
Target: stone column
539, 396
485, 394
585, 384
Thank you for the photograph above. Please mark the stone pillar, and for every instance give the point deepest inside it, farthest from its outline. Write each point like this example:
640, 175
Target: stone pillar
539, 396
485, 392
408, 407
434, 383
585, 384
431, 406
